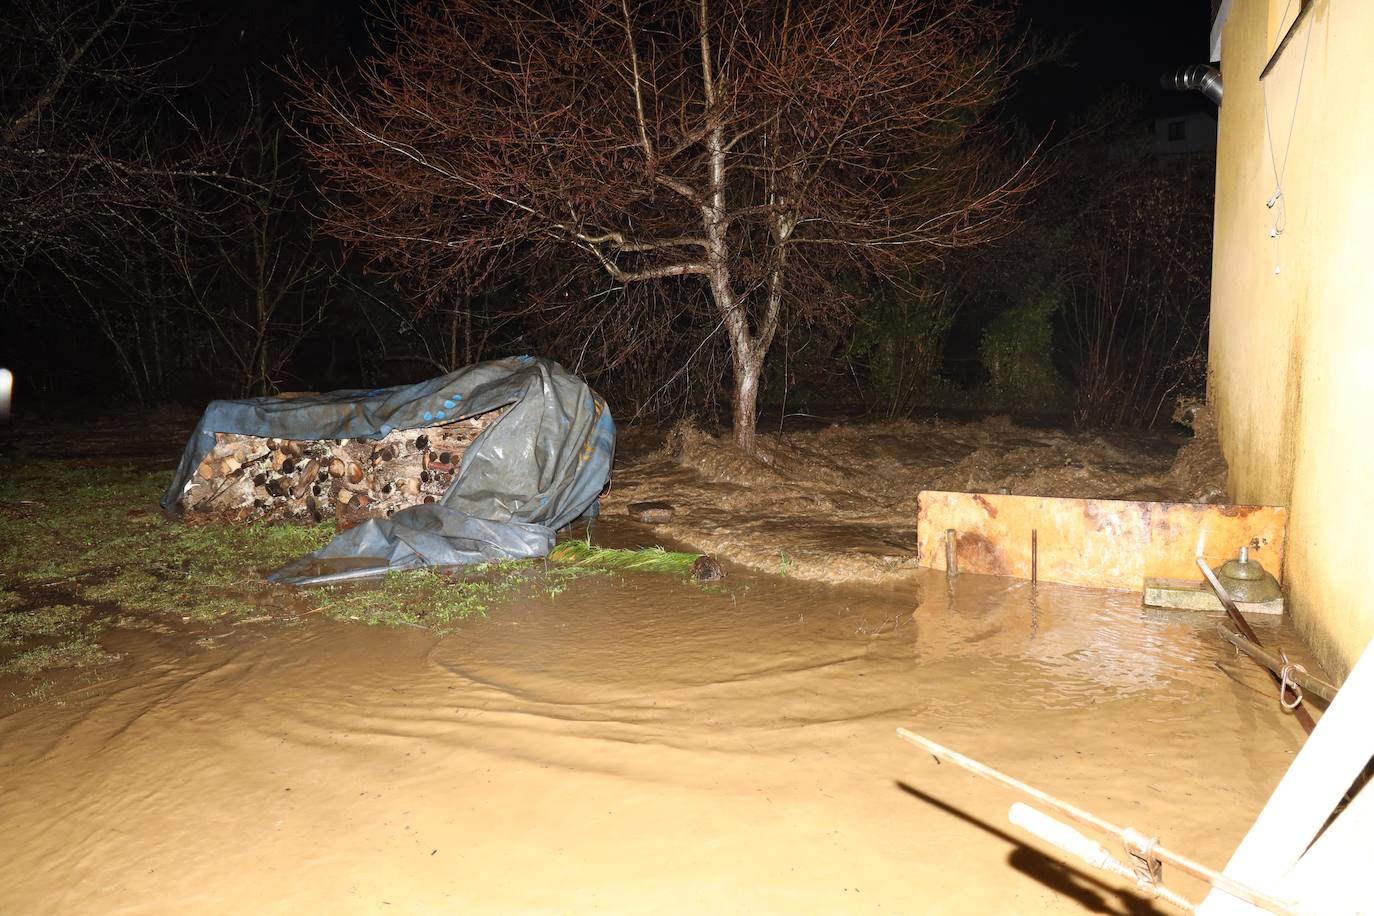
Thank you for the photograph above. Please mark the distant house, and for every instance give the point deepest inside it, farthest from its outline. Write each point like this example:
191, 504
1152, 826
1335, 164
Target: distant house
1292, 333
1185, 134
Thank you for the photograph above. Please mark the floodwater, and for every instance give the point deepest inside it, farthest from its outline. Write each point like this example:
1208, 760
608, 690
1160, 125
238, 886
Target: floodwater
639, 744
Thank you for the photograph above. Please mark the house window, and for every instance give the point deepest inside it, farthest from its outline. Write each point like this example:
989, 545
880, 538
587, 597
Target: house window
1176, 131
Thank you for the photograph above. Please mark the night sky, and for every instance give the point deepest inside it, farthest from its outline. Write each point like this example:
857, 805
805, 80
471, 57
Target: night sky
1114, 47
1109, 48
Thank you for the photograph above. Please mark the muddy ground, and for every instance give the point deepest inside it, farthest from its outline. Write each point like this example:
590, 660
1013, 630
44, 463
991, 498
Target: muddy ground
838, 504
621, 742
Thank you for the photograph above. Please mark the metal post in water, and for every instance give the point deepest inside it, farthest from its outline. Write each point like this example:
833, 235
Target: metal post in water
951, 553
1302, 715
1035, 556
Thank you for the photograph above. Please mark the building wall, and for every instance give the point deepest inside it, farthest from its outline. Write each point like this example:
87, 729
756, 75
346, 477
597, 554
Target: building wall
1292, 353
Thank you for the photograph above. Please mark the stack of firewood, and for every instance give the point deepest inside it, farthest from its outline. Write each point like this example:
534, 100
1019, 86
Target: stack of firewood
247, 478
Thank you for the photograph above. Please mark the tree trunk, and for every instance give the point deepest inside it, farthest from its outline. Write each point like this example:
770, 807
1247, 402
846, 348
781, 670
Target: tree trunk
748, 369
454, 358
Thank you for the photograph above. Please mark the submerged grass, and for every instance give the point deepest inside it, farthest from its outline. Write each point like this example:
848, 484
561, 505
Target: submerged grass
32, 623
438, 600
79, 652
582, 553
416, 598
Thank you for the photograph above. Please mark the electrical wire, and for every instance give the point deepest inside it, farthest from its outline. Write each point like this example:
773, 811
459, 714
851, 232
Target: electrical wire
1277, 201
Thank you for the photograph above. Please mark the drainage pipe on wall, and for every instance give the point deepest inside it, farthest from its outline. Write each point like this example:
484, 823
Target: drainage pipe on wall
1201, 77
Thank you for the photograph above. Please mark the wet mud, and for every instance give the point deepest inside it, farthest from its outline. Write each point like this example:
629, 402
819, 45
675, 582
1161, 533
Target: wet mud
839, 504
639, 744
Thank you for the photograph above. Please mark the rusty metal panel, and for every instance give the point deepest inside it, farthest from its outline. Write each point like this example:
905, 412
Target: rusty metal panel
1107, 543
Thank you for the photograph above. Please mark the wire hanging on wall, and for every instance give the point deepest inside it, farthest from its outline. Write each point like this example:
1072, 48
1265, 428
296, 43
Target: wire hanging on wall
1276, 201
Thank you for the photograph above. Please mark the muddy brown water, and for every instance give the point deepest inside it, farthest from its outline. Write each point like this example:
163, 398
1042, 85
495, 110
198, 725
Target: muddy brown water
639, 744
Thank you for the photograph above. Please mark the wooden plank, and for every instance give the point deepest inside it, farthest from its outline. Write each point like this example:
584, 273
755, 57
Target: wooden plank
1107, 543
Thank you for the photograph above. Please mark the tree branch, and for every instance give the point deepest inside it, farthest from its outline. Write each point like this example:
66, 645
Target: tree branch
639, 97
45, 98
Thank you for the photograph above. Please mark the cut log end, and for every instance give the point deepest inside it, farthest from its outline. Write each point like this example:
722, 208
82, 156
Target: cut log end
251, 478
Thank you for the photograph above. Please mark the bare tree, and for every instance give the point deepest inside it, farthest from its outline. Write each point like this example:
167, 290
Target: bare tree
1138, 313
754, 147
257, 279
93, 159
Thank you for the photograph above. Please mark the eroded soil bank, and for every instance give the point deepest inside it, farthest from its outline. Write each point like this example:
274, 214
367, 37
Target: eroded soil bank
637, 744
839, 504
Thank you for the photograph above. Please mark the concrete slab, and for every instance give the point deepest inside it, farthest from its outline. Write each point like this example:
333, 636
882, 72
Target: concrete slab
1181, 594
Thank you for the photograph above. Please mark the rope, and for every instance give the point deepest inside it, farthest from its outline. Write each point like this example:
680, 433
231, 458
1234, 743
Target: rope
1286, 684
1277, 202
1149, 871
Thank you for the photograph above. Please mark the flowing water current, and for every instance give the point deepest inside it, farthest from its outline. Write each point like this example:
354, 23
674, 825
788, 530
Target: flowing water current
640, 744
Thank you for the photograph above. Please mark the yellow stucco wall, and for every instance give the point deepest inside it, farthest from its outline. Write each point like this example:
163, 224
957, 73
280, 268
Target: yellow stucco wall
1292, 353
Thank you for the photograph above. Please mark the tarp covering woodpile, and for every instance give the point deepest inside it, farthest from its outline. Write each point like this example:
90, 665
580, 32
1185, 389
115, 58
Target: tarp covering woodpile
538, 466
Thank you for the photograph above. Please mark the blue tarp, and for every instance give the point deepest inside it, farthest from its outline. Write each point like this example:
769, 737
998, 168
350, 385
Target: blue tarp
538, 468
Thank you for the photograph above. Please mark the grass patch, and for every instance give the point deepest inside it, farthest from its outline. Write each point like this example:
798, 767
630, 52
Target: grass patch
418, 598
99, 529
581, 553
191, 596
19, 625
98, 532
438, 600
80, 652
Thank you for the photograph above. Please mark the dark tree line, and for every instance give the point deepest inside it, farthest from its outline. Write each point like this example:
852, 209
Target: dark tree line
146, 208
692, 203
1096, 307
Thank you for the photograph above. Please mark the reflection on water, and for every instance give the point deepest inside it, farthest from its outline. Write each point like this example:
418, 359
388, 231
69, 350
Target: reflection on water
1088, 644
636, 743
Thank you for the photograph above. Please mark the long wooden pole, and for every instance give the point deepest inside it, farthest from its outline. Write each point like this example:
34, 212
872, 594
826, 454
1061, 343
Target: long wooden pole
1182, 863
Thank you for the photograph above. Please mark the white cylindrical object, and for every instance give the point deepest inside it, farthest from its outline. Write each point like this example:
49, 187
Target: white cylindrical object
6, 392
